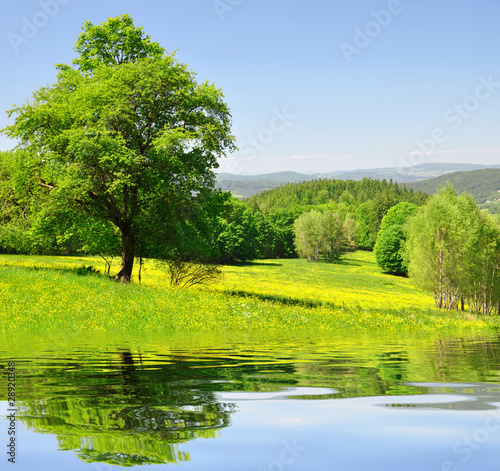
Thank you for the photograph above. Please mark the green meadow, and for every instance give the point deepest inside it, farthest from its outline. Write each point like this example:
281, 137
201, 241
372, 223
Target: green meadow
57, 293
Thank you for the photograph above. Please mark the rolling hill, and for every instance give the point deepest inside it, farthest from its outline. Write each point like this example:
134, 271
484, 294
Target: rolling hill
483, 185
244, 186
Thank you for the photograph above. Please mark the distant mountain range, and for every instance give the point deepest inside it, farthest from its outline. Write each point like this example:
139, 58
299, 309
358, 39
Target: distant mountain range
244, 186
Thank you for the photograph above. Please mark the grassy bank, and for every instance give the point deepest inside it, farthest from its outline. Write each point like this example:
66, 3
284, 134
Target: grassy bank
38, 293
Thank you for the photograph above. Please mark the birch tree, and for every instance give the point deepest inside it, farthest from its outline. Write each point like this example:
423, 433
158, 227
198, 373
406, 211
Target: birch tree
453, 250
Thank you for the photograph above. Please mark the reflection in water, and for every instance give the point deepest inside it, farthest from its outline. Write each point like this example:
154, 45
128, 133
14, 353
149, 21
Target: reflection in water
123, 412
139, 401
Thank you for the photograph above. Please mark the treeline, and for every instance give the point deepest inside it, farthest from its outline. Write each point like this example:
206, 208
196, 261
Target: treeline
328, 191
219, 229
360, 205
314, 219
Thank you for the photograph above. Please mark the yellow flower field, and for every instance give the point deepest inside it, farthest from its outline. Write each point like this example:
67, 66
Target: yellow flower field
38, 293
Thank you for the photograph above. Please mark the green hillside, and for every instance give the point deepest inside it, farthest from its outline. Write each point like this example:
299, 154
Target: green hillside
330, 191
406, 174
483, 185
245, 186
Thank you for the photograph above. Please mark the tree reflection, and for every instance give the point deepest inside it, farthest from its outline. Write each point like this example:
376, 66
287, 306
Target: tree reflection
125, 413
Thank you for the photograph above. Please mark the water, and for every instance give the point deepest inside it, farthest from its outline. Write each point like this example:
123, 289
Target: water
260, 401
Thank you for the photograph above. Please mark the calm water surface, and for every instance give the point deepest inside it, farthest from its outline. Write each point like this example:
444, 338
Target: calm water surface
257, 401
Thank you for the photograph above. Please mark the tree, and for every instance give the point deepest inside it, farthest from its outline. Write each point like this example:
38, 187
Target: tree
307, 229
333, 236
366, 239
398, 214
453, 249
13, 214
235, 236
351, 229
318, 234
282, 221
126, 135
117, 41
378, 209
391, 238
266, 236
480, 281
388, 250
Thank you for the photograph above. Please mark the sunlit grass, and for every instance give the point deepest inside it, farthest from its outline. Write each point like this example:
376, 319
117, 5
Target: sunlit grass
48, 293
356, 283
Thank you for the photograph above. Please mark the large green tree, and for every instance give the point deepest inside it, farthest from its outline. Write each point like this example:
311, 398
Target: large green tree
126, 135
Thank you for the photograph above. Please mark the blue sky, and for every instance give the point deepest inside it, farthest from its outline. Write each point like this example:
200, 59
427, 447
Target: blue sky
312, 85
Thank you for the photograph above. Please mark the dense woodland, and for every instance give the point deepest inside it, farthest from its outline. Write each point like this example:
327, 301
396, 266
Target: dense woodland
483, 185
358, 205
330, 191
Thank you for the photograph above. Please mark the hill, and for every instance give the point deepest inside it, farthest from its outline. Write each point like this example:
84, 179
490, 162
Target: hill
244, 186
366, 201
483, 185
333, 192
405, 174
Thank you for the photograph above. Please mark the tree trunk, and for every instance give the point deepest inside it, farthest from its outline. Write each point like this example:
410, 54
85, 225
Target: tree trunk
440, 261
140, 268
128, 252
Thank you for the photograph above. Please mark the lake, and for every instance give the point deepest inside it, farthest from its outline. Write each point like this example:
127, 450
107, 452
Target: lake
251, 401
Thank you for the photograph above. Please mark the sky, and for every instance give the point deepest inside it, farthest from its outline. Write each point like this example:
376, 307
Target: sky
313, 86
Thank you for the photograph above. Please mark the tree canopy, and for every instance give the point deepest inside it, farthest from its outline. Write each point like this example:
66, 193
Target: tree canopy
391, 238
367, 201
453, 249
318, 234
126, 138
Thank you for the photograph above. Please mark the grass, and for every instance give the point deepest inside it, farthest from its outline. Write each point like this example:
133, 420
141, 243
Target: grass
356, 283
56, 293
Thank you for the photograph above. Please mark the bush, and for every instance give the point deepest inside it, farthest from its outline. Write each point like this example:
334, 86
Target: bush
186, 274
388, 250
